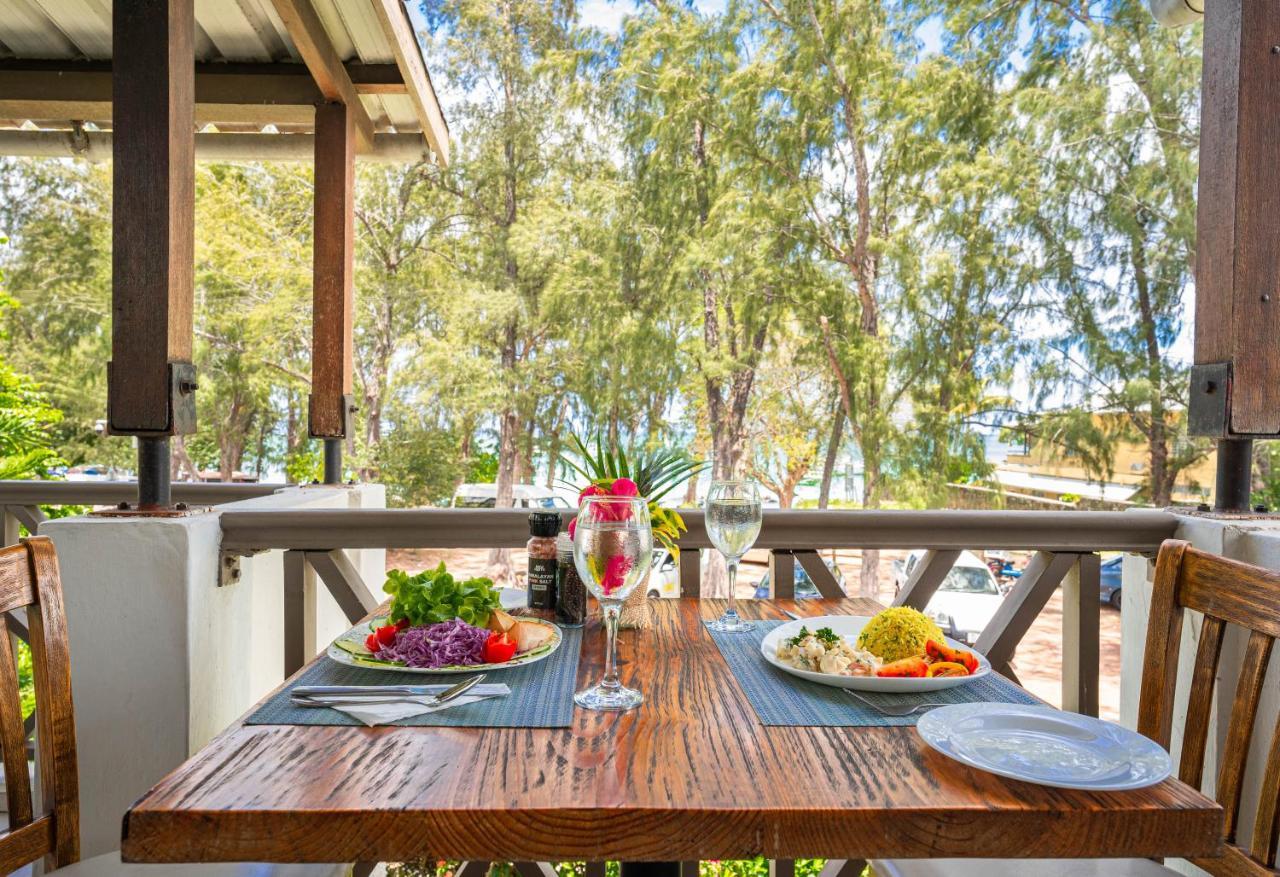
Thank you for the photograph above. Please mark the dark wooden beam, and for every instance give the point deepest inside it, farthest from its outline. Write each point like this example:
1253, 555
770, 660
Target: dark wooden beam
1237, 318
153, 213
254, 94
332, 294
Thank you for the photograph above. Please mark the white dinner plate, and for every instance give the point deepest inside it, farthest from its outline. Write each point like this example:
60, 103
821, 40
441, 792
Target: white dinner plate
849, 626
1039, 744
513, 598
360, 633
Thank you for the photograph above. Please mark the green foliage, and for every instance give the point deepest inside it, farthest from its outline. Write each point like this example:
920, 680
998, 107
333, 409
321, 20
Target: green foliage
305, 464
26, 679
655, 471
1266, 484
26, 418
420, 466
433, 595
482, 468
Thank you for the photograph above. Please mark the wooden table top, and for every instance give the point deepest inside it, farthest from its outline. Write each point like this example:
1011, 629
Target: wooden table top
691, 774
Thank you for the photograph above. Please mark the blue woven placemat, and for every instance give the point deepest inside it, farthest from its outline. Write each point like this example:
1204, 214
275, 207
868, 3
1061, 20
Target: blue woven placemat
541, 694
781, 699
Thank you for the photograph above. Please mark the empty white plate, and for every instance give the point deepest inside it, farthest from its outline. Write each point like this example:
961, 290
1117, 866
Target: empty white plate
1039, 744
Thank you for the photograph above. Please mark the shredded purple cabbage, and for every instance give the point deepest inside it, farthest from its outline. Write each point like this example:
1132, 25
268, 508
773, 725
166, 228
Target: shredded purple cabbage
438, 645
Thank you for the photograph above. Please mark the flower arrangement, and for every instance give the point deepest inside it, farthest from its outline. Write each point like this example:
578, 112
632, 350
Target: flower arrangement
649, 474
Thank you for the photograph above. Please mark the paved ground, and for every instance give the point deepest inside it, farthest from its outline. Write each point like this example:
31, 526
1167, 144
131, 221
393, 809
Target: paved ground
1038, 662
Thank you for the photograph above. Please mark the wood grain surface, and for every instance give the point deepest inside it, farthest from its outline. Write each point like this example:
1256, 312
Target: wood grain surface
1226, 591
333, 297
690, 775
153, 210
53, 835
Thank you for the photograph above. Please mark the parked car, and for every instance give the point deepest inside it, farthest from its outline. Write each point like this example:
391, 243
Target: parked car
965, 601
525, 496
805, 588
1109, 582
664, 573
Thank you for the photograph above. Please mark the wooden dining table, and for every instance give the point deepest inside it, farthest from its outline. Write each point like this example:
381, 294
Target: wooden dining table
691, 774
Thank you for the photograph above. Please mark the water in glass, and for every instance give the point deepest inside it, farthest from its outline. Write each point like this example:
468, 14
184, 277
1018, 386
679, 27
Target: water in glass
733, 518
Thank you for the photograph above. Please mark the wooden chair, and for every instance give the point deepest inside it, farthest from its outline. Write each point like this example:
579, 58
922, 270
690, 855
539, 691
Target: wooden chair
29, 579
1226, 592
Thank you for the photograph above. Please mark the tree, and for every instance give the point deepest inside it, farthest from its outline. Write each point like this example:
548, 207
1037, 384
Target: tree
1117, 124
906, 179
25, 418
788, 425
716, 230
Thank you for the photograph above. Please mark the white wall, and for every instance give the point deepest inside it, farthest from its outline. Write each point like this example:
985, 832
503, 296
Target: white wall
1252, 541
162, 657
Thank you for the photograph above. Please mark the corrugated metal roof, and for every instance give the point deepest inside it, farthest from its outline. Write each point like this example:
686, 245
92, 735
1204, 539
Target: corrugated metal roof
241, 31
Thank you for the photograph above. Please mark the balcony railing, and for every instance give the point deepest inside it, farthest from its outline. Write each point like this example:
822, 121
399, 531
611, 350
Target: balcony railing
1066, 546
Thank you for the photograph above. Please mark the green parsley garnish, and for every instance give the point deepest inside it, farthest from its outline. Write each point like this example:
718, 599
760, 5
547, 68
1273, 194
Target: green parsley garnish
827, 637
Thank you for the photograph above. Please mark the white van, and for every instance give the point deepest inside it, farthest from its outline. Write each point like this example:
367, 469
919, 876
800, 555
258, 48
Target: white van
524, 496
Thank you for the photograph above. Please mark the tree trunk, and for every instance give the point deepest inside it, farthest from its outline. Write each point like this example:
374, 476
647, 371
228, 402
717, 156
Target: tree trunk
833, 452
508, 450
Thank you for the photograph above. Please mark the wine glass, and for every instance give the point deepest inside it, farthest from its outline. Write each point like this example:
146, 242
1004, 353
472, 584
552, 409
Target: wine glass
612, 549
733, 523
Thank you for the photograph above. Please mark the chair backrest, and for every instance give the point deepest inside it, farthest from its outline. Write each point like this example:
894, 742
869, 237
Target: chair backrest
29, 579
1226, 592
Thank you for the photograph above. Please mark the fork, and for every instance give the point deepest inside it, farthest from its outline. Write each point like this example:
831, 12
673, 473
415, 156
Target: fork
894, 710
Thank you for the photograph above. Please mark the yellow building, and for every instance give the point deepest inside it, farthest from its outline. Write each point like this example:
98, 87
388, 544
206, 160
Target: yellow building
1047, 469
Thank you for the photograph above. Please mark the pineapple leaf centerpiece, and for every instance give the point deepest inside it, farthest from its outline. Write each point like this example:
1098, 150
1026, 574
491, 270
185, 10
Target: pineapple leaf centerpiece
651, 474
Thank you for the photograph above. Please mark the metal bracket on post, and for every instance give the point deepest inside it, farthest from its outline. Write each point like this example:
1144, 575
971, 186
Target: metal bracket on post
180, 417
182, 397
1209, 411
349, 409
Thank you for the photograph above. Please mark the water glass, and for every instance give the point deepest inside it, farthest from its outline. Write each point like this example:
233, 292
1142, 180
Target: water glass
612, 550
733, 517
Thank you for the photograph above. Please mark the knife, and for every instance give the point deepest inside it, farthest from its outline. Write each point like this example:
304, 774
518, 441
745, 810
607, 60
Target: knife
381, 690
328, 695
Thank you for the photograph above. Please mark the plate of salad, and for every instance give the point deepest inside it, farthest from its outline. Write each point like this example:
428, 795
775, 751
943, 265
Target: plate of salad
438, 624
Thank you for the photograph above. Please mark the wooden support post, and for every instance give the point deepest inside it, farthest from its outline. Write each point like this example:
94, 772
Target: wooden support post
690, 572
295, 611
1081, 621
150, 379
332, 296
1022, 606
782, 868
811, 562
925, 578
1235, 383
343, 580
782, 574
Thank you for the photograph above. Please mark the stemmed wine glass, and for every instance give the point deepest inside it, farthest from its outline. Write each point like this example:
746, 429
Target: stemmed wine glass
733, 523
612, 549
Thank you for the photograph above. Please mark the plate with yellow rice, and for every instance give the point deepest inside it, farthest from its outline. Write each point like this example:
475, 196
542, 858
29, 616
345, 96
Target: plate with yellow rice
853, 651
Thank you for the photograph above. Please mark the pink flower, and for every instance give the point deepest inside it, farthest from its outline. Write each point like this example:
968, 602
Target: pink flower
590, 490
615, 573
624, 487
573, 527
